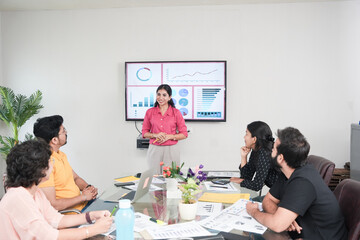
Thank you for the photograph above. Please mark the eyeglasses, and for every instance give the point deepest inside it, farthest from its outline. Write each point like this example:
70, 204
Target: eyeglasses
64, 131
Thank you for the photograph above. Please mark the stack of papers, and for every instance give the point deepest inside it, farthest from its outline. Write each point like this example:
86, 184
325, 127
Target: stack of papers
224, 174
234, 217
220, 188
181, 230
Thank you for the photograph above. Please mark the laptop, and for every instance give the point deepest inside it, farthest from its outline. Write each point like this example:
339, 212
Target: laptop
142, 188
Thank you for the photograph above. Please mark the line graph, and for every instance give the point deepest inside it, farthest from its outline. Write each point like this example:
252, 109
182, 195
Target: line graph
203, 73
191, 75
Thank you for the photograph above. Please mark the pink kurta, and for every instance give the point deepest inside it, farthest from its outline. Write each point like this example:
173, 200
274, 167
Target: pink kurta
24, 216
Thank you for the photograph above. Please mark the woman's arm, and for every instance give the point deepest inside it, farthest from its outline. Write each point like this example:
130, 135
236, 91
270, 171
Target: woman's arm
181, 127
262, 168
102, 225
147, 125
244, 151
79, 219
249, 169
102, 219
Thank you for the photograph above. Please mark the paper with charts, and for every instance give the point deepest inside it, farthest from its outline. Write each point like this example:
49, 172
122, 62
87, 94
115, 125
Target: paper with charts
234, 217
174, 231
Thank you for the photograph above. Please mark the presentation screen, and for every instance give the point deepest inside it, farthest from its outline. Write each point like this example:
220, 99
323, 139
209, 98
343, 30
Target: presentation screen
198, 88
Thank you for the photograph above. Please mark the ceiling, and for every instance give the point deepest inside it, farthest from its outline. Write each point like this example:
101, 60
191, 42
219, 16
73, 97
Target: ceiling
25, 5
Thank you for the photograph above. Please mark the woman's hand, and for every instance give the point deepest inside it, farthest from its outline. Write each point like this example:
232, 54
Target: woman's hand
236, 180
244, 151
103, 224
160, 137
94, 215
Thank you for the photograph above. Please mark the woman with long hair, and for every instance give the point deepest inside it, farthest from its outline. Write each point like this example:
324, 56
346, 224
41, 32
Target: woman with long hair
26, 213
165, 126
258, 142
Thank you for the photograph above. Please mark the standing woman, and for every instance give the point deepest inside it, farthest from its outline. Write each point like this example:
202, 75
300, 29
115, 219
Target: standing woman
165, 126
259, 141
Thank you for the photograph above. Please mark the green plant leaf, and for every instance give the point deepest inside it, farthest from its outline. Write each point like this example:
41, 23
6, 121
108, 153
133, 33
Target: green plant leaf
15, 110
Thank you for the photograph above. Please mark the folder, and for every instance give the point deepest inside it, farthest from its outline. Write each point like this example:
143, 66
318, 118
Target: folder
126, 179
223, 197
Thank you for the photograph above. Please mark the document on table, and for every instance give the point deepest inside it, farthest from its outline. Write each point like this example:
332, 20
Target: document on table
181, 230
234, 217
112, 228
134, 187
157, 180
208, 208
220, 188
142, 221
223, 197
223, 174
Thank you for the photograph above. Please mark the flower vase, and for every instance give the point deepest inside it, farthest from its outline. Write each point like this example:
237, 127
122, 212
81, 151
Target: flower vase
187, 211
171, 184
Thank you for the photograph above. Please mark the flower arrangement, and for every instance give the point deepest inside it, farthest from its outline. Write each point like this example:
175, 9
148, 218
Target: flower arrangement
191, 188
171, 172
198, 175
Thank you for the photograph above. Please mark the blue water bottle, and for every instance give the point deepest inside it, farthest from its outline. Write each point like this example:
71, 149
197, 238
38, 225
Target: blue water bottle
124, 220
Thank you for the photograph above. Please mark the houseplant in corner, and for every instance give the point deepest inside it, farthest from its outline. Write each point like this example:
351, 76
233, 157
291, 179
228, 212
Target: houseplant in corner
190, 190
15, 110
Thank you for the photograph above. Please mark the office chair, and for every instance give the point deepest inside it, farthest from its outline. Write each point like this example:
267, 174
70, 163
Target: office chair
75, 211
324, 166
348, 195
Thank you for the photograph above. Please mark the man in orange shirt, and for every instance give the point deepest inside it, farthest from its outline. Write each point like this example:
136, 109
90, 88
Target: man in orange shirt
64, 185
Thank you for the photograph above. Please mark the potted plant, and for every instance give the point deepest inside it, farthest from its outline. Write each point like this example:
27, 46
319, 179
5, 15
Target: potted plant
190, 190
171, 174
15, 110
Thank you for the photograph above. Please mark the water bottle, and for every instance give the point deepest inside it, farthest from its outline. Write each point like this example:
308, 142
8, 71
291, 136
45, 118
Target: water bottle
124, 220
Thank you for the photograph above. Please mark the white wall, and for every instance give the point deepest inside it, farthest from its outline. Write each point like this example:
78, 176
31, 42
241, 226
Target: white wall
288, 64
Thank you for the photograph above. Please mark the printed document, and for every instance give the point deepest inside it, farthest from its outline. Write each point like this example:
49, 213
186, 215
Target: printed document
142, 221
208, 208
220, 188
223, 174
234, 217
181, 230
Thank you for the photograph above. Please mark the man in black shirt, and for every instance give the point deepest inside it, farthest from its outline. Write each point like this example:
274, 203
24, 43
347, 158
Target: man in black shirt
301, 202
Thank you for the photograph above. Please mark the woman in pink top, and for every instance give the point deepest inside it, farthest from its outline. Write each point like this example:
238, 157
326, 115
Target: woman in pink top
165, 126
25, 212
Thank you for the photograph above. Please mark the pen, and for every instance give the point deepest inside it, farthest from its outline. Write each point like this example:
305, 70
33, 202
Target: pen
219, 187
156, 221
155, 140
112, 212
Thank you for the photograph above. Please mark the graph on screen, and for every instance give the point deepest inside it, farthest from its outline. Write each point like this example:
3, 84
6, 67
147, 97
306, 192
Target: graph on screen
199, 88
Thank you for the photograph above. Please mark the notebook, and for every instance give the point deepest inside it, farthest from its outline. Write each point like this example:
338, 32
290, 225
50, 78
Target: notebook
142, 188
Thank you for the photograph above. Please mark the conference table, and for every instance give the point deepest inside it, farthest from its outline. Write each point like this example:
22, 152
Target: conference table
156, 204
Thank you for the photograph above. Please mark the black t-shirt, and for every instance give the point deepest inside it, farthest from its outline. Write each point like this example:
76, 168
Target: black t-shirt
306, 194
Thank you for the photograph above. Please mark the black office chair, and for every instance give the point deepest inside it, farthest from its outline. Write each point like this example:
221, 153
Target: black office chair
348, 195
70, 211
324, 166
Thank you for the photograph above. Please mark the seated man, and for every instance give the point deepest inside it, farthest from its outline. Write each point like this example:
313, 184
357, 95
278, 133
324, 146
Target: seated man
300, 203
64, 185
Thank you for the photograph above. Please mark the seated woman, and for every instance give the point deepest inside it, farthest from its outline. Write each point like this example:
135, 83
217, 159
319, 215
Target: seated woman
259, 141
25, 212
